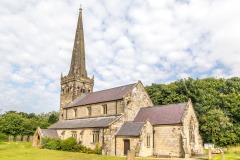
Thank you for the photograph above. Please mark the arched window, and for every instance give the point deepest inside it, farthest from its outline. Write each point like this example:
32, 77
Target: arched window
191, 130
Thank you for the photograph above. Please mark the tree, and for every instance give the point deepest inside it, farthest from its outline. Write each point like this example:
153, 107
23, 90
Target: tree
53, 118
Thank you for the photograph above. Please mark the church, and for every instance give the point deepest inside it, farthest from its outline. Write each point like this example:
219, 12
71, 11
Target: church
121, 118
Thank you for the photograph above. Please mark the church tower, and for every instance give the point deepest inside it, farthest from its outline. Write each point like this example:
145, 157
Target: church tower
76, 83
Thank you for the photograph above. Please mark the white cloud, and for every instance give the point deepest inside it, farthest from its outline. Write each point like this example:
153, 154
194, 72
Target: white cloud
152, 41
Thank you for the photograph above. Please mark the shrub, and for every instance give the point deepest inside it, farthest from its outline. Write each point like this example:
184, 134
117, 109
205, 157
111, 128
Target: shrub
44, 142
68, 144
97, 149
51, 143
54, 144
79, 148
3, 137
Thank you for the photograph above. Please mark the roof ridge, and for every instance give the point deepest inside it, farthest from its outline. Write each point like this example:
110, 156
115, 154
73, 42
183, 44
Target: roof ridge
113, 88
111, 116
165, 105
132, 122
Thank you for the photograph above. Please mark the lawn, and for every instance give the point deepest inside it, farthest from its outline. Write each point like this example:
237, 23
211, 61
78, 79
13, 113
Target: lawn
24, 151
230, 153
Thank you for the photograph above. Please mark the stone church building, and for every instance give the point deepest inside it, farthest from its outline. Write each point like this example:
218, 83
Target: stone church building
121, 118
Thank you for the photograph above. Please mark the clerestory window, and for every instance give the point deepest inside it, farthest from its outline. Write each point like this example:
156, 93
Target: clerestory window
105, 109
89, 111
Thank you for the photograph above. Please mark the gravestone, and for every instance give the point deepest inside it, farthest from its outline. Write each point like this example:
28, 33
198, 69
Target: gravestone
130, 155
209, 153
18, 138
10, 138
25, 138
222, 155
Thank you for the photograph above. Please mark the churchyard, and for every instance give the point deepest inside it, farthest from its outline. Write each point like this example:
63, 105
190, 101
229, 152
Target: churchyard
25, 151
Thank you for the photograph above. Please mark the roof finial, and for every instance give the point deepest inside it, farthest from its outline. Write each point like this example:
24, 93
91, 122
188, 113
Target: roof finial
80, 7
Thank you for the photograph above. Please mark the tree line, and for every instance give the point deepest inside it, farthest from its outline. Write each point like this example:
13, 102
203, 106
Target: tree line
216, 102
20, 123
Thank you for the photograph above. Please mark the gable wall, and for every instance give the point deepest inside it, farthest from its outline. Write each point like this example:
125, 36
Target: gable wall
167, 140
190, 120
134, 100
145, 150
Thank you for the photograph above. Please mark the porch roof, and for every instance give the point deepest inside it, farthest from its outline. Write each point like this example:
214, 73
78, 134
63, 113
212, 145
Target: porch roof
130, 129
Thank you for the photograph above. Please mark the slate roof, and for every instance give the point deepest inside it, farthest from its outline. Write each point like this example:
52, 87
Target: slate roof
130, 129
49, 132
101, 96
84, 123
165, 114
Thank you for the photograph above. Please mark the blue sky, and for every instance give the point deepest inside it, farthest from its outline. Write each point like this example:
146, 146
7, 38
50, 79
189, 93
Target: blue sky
125, 41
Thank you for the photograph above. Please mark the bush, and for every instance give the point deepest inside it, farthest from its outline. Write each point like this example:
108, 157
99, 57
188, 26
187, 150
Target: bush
3, 137
54, 144
51, 143
79, 148
44, 142
68, 144
97, 149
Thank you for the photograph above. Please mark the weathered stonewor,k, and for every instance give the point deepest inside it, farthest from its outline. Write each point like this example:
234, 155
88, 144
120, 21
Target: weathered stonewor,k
121, 118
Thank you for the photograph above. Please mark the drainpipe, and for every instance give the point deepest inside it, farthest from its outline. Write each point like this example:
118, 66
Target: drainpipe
116, 108
103, 138
115, 146
153, 137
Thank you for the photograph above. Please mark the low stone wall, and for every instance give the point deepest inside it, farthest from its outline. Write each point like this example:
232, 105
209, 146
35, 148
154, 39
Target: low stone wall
20, 138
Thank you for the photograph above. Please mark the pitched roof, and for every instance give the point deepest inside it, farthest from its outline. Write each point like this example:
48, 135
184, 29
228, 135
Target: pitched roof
130, 129
101, 96
49, 132
84, 123
165, 114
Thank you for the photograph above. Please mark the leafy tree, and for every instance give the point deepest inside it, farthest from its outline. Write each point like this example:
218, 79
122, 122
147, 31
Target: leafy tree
20, 123
53, 118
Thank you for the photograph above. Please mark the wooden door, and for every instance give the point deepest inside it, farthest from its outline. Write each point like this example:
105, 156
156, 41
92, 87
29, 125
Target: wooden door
126, 146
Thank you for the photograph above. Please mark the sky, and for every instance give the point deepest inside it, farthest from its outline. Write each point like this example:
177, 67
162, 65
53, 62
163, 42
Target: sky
125, 41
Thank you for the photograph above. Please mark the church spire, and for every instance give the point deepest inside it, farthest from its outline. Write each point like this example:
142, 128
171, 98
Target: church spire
78, 54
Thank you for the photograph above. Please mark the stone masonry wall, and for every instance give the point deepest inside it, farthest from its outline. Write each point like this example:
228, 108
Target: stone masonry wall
192, 140
145, 150
135, 100
167, 140
120, 144
84, 136
113, 108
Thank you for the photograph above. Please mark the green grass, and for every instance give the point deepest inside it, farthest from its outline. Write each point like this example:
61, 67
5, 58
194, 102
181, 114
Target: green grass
24, 151
230, 153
